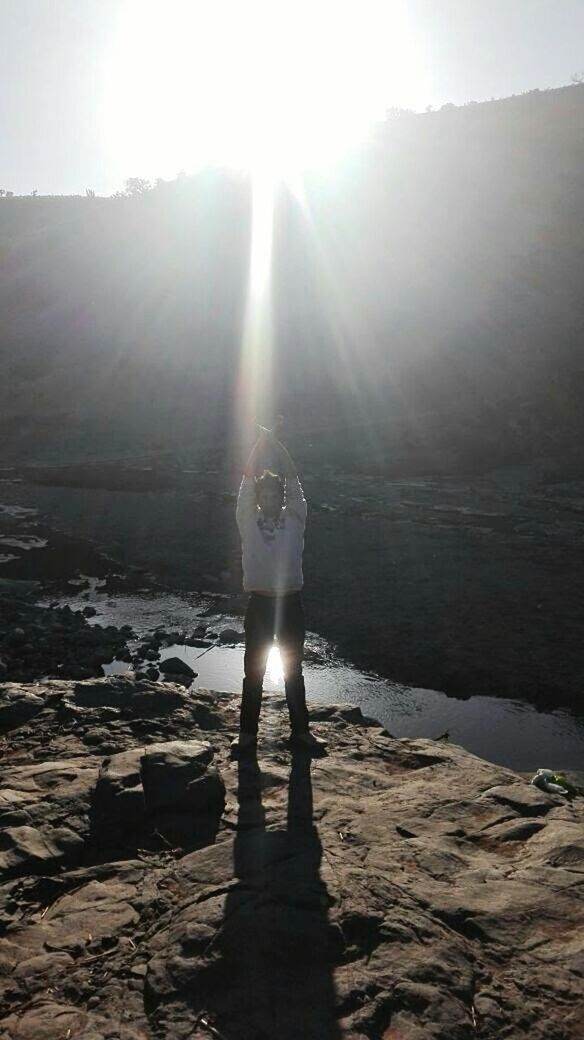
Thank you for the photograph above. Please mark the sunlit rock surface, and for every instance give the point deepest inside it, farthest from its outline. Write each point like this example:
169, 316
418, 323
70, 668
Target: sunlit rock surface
153, 887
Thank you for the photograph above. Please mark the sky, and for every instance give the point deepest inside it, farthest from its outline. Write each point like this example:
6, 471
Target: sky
95, 91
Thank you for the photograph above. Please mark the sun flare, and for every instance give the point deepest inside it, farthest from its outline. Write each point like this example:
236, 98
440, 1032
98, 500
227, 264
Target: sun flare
274, 668
266, 85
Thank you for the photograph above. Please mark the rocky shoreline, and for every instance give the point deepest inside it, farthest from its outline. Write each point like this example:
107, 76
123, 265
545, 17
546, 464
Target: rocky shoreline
468, 585
57, 641
38, 642
156, 889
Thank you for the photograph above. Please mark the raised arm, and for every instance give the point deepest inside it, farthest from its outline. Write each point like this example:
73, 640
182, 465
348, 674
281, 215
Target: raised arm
282, 460
295, 501
286, 466
246, 509
268, 444
256, 454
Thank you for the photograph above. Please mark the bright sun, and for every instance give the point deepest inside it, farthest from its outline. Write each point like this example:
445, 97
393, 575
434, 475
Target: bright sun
273, 86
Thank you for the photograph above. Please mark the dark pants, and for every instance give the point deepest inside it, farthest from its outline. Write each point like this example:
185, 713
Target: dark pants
266, 617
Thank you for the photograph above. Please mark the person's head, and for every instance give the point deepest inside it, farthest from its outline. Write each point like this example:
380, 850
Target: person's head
269, 494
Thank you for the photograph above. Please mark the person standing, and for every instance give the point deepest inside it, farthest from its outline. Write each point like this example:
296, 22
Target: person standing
271, 517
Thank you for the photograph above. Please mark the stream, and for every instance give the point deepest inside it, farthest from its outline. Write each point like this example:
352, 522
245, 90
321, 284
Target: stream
508, 732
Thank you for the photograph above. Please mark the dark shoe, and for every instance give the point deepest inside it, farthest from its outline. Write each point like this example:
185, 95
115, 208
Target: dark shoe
244, 742
308, 741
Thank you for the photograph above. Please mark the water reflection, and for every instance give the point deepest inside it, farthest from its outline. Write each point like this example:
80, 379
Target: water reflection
507, 732
504, 731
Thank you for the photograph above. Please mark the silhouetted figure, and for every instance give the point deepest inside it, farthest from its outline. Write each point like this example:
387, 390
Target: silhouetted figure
271, 517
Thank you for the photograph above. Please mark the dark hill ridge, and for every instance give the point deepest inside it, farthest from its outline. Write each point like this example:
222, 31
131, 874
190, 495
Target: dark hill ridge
436, 278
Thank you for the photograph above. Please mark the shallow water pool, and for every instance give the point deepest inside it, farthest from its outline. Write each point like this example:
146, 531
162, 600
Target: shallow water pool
508, 732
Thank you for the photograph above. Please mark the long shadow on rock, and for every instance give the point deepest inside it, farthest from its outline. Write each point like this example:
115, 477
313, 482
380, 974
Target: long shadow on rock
273, 977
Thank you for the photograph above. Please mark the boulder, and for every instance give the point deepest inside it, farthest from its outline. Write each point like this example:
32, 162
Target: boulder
96, 736
176, 776
170, 775
119, 797
44, 813
37, 848
526, 799
231, 635
119, 691
18, 704
48, 1019
175, 666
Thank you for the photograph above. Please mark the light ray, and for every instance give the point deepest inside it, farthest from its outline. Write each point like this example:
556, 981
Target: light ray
255, 383
348, 328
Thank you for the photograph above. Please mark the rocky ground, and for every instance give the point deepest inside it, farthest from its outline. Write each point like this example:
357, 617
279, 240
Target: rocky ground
466, 585
156, 888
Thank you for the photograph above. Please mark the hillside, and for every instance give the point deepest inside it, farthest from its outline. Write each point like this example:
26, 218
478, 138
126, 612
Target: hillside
432, 285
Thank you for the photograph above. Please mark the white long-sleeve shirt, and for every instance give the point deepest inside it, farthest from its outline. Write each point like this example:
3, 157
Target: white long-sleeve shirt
272, 549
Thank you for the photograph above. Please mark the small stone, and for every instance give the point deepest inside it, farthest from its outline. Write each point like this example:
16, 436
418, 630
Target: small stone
97, 735
231, 635
77, 671
174, 666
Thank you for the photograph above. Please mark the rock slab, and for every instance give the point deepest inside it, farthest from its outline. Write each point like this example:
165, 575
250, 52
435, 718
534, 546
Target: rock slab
393, 890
